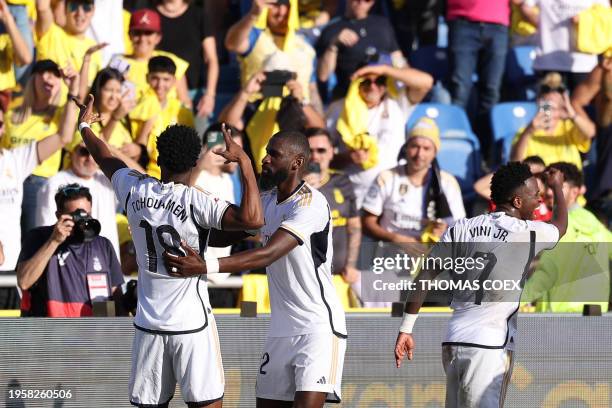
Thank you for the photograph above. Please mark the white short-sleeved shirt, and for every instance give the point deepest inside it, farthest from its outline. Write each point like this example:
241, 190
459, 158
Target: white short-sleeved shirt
387, 124
103, 206
402, 204
508, 245
556, 49
15, 166
302, 296
160, 216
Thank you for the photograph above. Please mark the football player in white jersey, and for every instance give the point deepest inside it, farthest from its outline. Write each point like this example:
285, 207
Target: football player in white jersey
303, 357
478, 346
176, 337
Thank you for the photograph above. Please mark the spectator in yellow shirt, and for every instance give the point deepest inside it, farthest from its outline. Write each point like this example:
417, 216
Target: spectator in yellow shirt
40, 115
13, 50
145, 36
556, 133
157, 109
66, 45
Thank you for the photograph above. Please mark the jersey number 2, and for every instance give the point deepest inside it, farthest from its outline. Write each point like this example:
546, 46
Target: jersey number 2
159, 231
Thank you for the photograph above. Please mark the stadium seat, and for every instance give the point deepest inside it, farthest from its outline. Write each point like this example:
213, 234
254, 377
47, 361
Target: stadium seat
452, 120
432, 60
460, 149
506, 120
520, 79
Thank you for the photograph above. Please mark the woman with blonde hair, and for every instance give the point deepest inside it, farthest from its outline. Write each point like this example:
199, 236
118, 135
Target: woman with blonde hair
40, 115
556, 133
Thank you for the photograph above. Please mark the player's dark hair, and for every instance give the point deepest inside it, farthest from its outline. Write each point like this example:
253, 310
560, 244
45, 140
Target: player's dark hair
162, 64
315, 131
296, 142
179, 148
534, 160
507, 179
571, 173
70, 192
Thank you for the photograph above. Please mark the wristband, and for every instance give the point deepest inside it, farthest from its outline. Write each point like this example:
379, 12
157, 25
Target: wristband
83, 125
212, 265
408, 323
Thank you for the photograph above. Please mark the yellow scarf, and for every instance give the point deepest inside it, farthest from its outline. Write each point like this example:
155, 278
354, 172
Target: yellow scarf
292, 24
262, 126
353, 125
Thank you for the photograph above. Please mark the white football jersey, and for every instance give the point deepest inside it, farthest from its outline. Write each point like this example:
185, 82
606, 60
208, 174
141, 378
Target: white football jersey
160, 216
302, 295
15, 166
401, 205
506, 245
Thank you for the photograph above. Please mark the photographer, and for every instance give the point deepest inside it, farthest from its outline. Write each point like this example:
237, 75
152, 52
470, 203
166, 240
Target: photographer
64, 267
557, 133
267, 116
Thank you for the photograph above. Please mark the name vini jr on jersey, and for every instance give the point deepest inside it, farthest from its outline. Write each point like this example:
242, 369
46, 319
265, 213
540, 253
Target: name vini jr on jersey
170, 206
482, 230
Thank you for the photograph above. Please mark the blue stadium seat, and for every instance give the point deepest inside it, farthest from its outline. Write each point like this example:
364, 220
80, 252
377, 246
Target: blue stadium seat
520, 78
451, 119
506, 119
431, 59
461, 158
460, 149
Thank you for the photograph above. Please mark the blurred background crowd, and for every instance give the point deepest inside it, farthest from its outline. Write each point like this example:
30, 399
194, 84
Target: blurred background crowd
408, 105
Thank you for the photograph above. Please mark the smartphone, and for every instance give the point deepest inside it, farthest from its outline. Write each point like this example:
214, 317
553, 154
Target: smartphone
314, 168
546, 108
275, 81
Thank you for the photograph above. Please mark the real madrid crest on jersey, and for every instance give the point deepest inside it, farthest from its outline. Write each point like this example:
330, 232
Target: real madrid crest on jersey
97, 265
403, 189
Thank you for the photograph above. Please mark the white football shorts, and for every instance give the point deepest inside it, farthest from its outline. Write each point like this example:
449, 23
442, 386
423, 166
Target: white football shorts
193, 360
476, 377
309, 362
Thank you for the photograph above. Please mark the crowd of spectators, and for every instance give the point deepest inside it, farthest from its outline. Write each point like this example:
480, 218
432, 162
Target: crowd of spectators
337, 71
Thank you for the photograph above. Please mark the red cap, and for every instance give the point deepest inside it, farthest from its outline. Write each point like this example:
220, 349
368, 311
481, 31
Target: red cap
145, 20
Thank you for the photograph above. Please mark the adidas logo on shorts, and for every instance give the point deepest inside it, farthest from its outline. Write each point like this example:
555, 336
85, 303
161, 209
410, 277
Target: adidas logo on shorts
321, 380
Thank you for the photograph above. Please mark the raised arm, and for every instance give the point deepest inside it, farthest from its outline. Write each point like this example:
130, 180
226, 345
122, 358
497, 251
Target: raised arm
554, 179
96, 146
232, 113
237, 38
206, 106
22, 53
49, 145
44, 17
418, 83
250, 213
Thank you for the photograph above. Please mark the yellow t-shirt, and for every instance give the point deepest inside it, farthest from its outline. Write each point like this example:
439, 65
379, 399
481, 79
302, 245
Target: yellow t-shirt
35, 128
63, 48
565, 144
173, 113
137, 74
7, 73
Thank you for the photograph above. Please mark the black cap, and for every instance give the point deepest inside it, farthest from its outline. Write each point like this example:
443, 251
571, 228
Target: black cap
46, 65
285, 2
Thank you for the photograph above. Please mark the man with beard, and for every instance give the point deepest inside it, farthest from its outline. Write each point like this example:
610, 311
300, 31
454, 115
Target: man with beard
304, 354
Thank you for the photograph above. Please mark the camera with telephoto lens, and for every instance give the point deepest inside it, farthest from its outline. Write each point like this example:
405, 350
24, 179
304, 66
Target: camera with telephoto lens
274, 82
86, 228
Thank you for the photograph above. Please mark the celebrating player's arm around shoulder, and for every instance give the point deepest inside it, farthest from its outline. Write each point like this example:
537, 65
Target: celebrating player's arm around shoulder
307, 328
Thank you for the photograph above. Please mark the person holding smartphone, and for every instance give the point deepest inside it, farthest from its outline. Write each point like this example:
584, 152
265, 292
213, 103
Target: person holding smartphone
556, 133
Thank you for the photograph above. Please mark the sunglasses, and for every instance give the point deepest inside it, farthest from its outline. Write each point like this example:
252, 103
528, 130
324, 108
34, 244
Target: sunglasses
73, 7
71, 189
82, 151
380, 81
319, 150
544, 89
